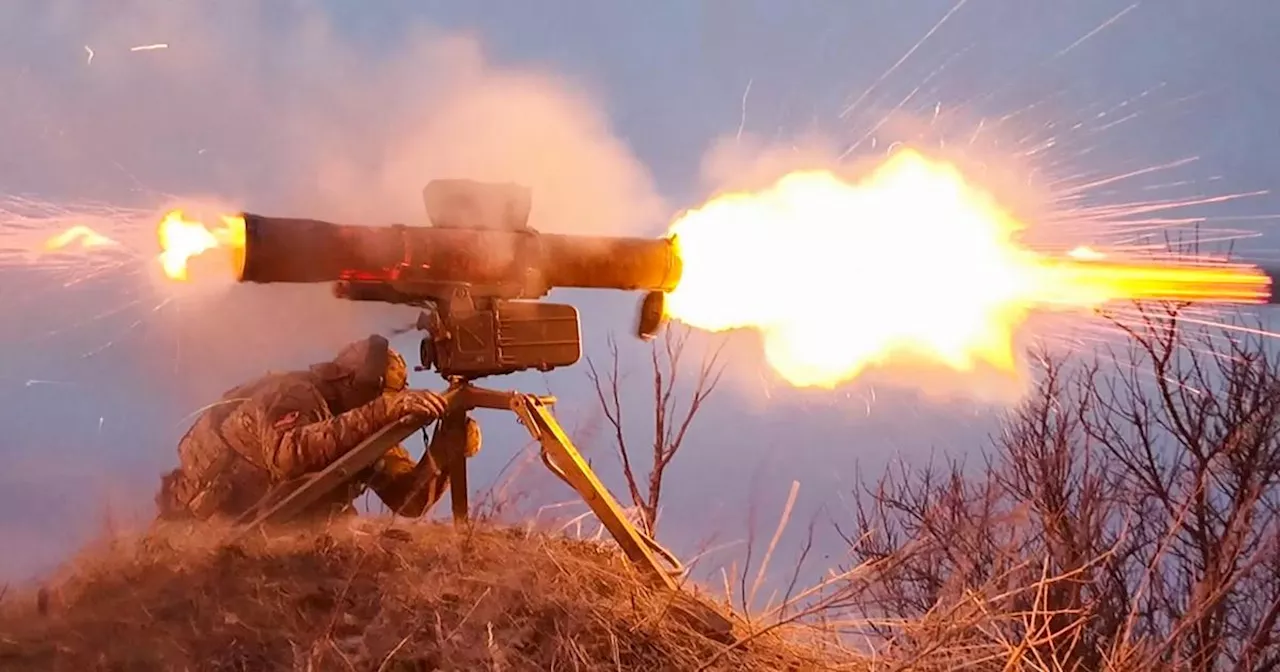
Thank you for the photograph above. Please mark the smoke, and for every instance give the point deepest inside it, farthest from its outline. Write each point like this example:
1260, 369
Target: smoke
270, 111
261, 107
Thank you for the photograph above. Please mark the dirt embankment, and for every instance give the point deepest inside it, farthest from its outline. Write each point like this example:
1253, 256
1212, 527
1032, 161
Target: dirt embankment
364, 597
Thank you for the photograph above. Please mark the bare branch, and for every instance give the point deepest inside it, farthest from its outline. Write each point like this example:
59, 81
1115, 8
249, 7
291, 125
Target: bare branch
1151, 493
672, 416
609, 397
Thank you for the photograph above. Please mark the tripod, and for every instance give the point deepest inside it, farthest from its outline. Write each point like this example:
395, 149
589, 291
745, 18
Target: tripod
558, 454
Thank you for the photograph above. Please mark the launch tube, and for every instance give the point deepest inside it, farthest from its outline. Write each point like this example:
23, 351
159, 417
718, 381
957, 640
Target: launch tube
280, 249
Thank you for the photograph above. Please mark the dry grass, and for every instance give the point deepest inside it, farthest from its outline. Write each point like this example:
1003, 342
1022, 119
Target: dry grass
378, 594
1128, 523
364, 596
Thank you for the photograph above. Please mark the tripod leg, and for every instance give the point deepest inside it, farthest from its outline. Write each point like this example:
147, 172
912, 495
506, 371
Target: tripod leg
444, 464
574, 469
431, 485
455, 427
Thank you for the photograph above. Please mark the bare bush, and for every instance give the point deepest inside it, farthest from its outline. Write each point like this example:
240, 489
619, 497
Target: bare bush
1147, 491
672, 413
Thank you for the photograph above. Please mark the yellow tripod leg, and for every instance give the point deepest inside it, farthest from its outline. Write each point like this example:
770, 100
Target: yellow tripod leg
573, 469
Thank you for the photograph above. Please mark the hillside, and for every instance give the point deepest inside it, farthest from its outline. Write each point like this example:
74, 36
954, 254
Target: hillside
364, 597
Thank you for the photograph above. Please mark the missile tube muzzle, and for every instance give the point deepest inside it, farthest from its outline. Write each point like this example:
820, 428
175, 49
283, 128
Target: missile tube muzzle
288, 250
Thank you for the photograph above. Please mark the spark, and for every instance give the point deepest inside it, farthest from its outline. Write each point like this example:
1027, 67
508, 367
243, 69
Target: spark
150, 47
1022, 73
742, 121
1105, 24
88, 50
33, 382
65, 253
870, 134
887, 73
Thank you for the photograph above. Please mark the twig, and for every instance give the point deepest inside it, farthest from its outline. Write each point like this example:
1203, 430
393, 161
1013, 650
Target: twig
468, 614
773, 543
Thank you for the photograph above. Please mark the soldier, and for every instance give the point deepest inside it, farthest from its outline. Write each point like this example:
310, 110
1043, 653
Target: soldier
285, 425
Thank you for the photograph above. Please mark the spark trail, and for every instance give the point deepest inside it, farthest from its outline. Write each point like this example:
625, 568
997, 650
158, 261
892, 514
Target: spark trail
70, 243
76, 267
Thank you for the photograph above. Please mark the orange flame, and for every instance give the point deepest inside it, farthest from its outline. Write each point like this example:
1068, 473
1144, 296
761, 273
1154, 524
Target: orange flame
85, 236
912, 262
182, 239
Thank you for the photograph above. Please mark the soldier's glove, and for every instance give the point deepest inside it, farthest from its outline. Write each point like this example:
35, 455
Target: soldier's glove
420, 403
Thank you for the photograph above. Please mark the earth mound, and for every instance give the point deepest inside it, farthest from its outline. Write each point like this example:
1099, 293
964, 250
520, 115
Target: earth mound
369, 595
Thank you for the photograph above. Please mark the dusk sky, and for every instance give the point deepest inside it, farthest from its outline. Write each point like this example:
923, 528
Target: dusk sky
618, 115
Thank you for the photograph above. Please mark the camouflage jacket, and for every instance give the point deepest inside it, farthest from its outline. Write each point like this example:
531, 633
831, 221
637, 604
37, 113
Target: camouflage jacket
275, 429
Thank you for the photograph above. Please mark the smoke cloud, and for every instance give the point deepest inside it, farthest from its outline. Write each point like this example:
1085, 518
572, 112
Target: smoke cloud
249, 106
268, 110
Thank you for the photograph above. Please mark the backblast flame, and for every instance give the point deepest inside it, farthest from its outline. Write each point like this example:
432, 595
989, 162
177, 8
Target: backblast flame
84, 236
912, 262
182, 239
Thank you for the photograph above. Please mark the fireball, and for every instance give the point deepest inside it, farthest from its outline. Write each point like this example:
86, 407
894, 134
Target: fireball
911, 263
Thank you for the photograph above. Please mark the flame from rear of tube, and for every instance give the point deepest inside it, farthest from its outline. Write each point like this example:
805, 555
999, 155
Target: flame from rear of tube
912, 263
182, 239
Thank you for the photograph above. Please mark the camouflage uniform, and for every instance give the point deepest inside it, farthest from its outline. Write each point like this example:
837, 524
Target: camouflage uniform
286, 425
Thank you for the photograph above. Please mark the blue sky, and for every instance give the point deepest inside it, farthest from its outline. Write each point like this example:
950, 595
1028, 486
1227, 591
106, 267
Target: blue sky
612, 112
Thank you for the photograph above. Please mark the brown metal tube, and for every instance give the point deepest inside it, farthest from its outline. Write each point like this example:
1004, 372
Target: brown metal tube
610, 263
304, 250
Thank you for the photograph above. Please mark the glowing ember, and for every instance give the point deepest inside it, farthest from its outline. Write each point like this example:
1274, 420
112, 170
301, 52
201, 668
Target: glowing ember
84, 236
182, 239
910, 263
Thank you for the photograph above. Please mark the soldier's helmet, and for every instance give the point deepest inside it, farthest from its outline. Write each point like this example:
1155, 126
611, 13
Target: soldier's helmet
396, 377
